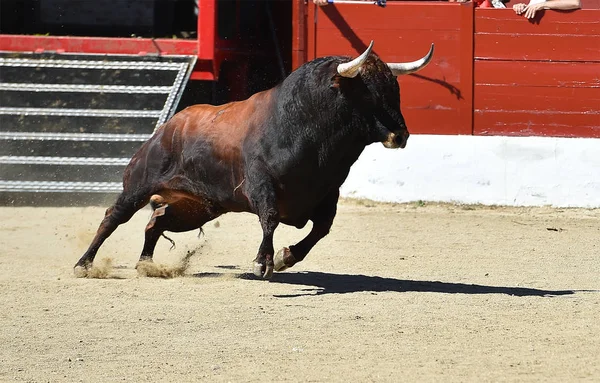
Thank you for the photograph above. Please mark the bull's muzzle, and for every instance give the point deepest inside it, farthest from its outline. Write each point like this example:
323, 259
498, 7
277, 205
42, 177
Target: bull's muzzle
395, 141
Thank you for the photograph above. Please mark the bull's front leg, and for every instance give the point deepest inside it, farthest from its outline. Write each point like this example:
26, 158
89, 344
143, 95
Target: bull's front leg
322, 221
263, 263
264, 202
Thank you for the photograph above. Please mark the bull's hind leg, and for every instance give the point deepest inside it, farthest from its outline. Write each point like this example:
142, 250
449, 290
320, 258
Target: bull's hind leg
122, 211
322, 221
173, 212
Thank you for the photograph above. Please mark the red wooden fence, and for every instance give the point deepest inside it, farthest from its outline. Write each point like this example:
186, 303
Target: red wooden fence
493, 72
436, 100
537, 78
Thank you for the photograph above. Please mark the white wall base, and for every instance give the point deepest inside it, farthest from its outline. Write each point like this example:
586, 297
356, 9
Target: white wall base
494, 170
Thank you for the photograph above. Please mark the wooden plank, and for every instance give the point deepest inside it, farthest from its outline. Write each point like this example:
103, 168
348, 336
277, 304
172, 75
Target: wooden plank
504, 21
537, 47
537, 100
299, 33
585, 4
556, 36
311, 32
406, 15
524, 123
467, 49
590, 4
538, 73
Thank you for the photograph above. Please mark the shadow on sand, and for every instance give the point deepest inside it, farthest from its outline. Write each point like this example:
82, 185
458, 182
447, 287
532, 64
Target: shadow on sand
326, 283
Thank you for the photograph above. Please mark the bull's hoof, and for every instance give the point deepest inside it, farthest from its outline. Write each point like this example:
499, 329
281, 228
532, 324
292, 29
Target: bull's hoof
262, 271
80, 271
144, 260
284, 259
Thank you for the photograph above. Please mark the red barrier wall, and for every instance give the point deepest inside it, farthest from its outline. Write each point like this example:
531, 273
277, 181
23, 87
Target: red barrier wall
537, 78
436, 100
493, 72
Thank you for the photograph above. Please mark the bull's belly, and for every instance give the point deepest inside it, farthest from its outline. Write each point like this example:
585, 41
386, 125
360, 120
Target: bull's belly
298, 208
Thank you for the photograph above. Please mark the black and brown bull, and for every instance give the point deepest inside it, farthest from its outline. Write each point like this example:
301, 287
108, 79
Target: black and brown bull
282, 154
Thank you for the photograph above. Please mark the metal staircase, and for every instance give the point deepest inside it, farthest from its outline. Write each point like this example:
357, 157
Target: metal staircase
69, 123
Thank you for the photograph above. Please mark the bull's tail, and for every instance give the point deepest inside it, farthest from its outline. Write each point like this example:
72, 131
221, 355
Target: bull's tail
170, 240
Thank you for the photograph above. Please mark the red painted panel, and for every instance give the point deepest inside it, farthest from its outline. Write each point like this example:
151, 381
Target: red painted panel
399, 15
590, 4
438, 99
505, 99
585, 4
537, 78
556, 36
538, 73
537, 47
206, 29
525, 123
299, 34
505, 21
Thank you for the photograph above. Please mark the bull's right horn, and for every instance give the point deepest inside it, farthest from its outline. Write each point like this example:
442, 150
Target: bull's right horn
351, 68
411, 67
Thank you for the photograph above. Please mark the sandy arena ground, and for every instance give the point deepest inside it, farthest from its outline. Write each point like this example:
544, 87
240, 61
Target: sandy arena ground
395, 293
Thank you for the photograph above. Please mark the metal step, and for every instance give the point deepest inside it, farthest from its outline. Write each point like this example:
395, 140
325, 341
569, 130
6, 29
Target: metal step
69, 123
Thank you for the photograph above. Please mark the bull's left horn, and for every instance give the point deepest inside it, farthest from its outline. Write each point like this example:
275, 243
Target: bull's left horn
411, 67
351, 68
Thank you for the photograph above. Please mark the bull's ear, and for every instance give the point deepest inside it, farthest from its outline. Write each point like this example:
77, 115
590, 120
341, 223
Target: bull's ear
335, 81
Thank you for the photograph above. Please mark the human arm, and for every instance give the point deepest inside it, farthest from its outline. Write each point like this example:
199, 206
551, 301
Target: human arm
529, 10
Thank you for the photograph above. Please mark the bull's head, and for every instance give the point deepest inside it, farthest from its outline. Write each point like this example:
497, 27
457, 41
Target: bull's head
382, 100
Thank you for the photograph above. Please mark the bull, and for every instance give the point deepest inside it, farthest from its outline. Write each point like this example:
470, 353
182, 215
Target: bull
282, 154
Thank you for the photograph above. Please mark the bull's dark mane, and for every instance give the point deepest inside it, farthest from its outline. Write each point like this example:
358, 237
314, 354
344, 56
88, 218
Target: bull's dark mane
315, 101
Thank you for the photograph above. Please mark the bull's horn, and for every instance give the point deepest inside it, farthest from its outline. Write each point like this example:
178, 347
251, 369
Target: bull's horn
351, 68
411, 67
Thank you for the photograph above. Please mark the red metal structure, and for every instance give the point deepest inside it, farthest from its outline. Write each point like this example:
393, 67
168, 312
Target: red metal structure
207, 47
238, 47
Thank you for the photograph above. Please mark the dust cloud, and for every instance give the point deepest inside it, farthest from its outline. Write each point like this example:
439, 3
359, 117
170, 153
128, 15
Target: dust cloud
158, 270
100, 270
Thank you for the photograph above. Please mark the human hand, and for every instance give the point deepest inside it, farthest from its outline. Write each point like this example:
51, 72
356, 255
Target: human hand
519, 8
320, 2
530, 10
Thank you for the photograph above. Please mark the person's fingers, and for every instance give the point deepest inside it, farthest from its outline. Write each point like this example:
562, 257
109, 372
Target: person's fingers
519, 8
530, 12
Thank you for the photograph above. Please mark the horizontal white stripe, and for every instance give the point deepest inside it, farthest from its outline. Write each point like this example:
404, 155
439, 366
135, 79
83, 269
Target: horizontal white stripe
73, 136
88, 88
62, 187
38, 160
80, 112
91, 64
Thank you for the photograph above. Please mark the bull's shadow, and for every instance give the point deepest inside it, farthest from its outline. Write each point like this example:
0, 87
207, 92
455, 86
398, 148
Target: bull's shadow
327, 283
